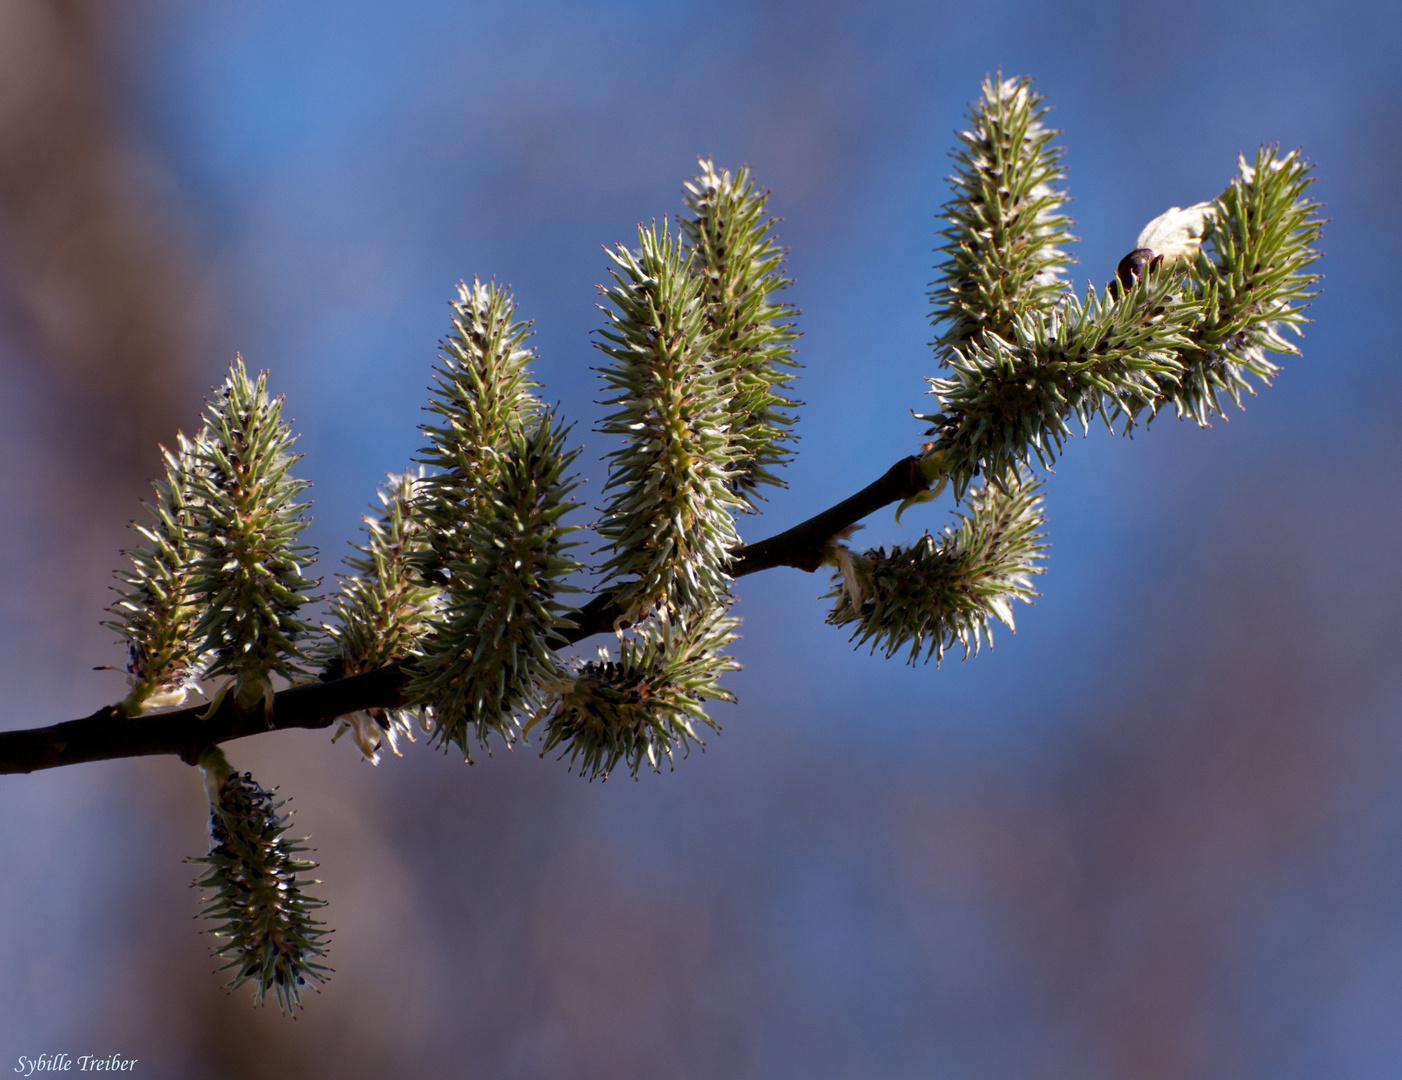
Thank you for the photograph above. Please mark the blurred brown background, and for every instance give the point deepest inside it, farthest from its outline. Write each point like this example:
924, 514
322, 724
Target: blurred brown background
1153, 836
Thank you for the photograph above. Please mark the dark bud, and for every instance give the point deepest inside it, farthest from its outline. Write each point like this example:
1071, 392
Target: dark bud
1132, 267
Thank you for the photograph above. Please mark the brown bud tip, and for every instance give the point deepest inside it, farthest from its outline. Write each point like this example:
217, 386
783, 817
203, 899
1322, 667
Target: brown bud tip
1132, 266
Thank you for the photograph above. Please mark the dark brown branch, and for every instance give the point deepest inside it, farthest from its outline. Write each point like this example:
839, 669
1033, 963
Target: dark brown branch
107, 734
805, 546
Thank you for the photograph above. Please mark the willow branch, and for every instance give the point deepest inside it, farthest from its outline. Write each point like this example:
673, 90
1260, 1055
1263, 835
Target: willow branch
805, 546
107, 734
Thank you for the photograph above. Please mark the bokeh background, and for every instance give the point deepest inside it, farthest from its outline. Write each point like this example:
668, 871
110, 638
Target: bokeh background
1154, 835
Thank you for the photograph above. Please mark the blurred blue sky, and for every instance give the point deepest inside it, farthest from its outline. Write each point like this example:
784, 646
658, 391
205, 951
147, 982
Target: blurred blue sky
339, 167
347, 169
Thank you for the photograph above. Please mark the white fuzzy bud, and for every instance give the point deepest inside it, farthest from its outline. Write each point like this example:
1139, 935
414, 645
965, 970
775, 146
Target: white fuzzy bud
1177, 232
